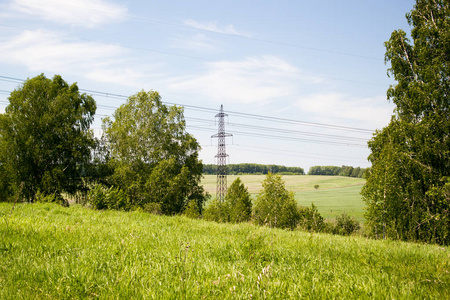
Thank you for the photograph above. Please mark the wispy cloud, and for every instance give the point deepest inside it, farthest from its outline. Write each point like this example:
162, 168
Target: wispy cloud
41, 51
213, 27
342, 109
256, 79
83, 13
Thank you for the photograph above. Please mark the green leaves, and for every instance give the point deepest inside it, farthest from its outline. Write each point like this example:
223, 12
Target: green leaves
154, 159
410, 157
45, 136
275, 205
236, 208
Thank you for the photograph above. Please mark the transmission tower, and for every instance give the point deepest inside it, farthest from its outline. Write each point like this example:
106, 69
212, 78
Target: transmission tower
221, 156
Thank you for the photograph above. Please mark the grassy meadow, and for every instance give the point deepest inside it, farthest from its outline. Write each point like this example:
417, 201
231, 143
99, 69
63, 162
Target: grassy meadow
48, 251
334, 195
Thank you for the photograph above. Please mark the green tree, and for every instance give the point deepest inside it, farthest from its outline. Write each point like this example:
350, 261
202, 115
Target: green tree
275, 205
238, 202
44, 137
310, 219
406, 191
153, 157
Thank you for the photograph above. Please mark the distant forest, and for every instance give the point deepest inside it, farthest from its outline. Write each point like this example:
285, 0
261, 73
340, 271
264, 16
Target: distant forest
240, 169
337, 171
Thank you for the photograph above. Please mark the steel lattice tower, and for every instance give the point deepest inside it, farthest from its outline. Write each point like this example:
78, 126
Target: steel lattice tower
221, 156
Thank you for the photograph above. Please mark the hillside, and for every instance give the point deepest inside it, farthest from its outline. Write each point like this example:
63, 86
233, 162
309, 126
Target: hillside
49, 251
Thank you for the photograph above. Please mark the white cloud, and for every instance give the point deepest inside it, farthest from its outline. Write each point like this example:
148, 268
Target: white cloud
40, 51
212, 26
253, 80
84, 13
338, 108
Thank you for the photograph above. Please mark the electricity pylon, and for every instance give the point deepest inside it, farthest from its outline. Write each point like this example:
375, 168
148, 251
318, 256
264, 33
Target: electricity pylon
221, 188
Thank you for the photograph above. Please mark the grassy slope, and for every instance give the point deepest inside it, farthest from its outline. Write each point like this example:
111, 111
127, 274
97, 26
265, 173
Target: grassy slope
335, 193
48, 251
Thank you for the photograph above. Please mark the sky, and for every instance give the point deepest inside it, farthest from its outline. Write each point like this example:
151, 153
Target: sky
303, 82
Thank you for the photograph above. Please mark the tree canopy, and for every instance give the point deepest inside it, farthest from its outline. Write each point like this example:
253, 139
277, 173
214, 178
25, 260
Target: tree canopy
408, 187
44, 137
153, 157
275, 205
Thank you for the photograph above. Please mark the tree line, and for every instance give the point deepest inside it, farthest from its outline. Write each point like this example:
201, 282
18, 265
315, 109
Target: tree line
348, 171
249, 168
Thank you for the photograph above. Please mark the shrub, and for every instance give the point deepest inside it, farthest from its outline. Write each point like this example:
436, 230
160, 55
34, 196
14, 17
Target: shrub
310, 219
345, 225
216, 211
153, 208
101, 197
55, 198
96, 197
275, 206
192, 210
238, 205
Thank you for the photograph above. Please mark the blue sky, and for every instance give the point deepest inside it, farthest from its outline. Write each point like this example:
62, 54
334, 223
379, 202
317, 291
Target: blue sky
307, 61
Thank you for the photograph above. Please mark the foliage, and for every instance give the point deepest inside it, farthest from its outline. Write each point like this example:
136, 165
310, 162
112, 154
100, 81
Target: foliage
101, 197
153, 158
153, 208
246, 168
44, 137
52, 198
192, 211
275, 205
236, 208
216, 211
337, 171
345, 225
310, 219
406, 193
6, 188
238, 202
48, 251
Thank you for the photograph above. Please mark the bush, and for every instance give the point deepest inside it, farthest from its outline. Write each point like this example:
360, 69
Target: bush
310, 219
275, 206
345, 225
153, 208
51, 198
238, 205
101, 197
192, 210
216, 211
236, 208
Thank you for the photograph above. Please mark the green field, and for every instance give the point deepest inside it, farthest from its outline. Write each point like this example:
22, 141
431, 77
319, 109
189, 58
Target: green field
334, 195
51, 252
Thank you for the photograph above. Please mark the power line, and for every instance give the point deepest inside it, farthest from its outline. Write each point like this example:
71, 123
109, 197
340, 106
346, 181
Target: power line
298, 155
239, 114
284, 138
283, 131
295, 152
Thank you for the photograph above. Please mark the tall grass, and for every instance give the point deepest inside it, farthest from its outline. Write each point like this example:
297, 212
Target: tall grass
47, 251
